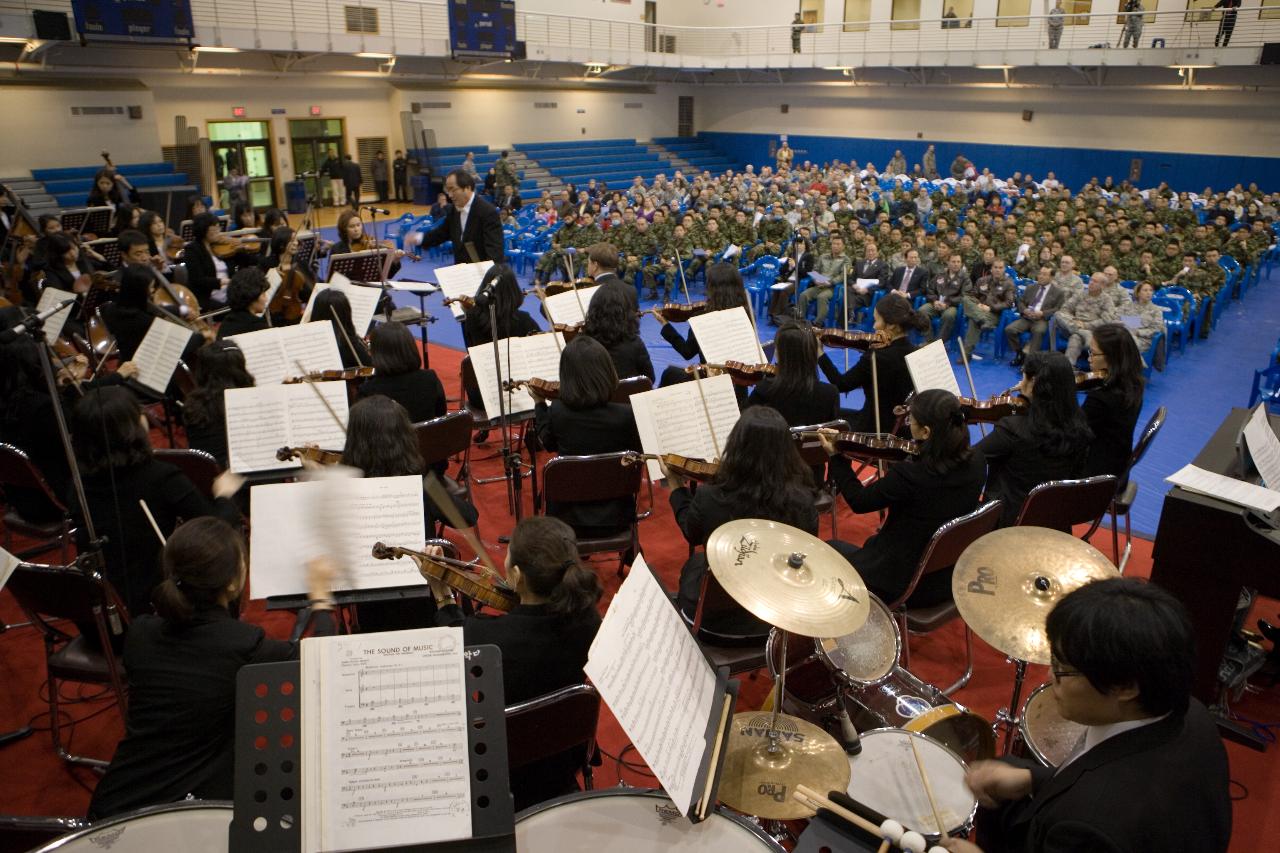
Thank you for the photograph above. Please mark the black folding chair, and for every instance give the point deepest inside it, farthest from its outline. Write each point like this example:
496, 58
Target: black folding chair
17, 471
592, 479
559, 722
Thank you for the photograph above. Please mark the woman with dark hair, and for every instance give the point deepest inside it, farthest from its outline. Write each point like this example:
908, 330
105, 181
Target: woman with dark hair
1112, 410
544, 639
206, 272
399, 374
219, 366
273, 220
942, 482
247, 299
110, 189
127, 218
332, 305
894, 318
761, 476
130, 315
585, 422
113, 448
724, 290
196, 206
296, 280
183, 663
504, 289
613, 322
795, 391
1049, 442
65, 265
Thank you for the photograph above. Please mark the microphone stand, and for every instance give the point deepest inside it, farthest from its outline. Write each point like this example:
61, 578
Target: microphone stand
510, 456
383, 265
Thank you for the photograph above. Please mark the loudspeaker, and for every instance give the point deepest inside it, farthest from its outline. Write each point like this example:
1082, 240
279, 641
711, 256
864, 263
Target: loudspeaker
51, 26
1270, 53
1027, 114
135, 112
786, 108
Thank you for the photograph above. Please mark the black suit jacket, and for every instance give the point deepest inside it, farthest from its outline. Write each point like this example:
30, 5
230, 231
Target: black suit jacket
611, 280
631, 358
915, 287
240, 322
484, 232
1163, 786
1018, 465
419, 391
822, 404
1112, 424
876, 269
202, 275
892, 378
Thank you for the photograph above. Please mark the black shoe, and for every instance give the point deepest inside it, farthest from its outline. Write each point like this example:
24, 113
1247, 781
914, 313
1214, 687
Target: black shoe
481, 435
1019, 359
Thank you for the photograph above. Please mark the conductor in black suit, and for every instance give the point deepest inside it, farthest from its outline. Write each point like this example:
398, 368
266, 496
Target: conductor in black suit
1150, 772
470, 221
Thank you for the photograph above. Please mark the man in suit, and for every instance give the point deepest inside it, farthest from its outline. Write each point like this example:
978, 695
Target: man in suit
602, 266
909, 279
1151, 772
1040, 301
351, 179
872, 266
470, 222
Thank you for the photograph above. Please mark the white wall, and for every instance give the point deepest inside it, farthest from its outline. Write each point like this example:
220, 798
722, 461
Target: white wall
600, 10
41, 132
1197, 122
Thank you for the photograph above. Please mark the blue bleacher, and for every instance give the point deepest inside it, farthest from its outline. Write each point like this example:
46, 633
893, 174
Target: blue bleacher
614, 161
699, 152
70, 186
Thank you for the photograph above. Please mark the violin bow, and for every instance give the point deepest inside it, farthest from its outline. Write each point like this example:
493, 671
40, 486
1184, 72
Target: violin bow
964, 357
844, 300
354, 352
439, 496
875, 402
706, 412
302, 371
684, 285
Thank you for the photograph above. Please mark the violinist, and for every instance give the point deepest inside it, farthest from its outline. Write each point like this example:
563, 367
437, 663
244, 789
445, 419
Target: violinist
351, 238
941, 482
544, 639
724, 290
399, 374
795, 391
296, 281
111, 189
127, 218
761, 475
1049, 442
1112, 410
162, 244
247, 299
206, 272
613, 321
220, 366
272, 220
129, 315
894, 317
513, 322
332, 305
583, 422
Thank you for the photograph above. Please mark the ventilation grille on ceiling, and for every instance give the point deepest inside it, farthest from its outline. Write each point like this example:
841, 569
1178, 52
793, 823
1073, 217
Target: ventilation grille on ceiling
544, 105
97, 111
361, 19
635, 105
434, 105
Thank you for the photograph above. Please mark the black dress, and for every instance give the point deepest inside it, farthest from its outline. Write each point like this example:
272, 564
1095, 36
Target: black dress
822, 404
1112, 424
419, 391
919, 502
892, 378
584, 432
28, 422
1017, 465
240, 321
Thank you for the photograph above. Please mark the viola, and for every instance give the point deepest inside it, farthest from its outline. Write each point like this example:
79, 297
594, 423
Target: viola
993, 408
311, 453
680, 312
846, 339
547, 388
740, 372
229, 243
870, 445
1090, 381
698, 470
346, 373
568, 331
455, 574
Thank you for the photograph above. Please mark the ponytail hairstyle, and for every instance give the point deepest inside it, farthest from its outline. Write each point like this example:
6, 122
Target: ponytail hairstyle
546, 551
896, 310
201, 559
947, 447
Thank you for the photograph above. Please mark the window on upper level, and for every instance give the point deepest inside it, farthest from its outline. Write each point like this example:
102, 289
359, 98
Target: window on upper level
957, 14
1148, 6
857, 16
1077, 12
905, 15
1270, 10
1013, 13
811, 11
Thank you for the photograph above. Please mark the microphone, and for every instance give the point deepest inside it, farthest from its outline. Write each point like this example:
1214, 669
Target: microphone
849, 737
38, 319
381, 210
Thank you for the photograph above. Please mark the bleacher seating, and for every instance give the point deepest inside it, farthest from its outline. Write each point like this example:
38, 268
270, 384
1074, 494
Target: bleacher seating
702, 154
70, 186
444, 160
615, 161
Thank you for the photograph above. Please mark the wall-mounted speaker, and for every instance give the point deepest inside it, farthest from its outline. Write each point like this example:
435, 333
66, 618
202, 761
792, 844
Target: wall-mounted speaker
135, 112
1270, 53
51, 26
1027, 115
786, 108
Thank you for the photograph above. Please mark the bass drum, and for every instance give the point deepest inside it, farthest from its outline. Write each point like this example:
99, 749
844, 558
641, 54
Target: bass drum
903, 701
1048, 737
634, 821
192, 827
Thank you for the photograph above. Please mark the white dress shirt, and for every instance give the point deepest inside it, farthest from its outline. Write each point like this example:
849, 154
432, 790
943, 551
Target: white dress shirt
465, 212
1095, 735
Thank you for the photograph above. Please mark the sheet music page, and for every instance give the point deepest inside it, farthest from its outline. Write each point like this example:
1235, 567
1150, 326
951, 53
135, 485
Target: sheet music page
930, 368
310, 421
1229, 489
862, 285
653, 677
257, 426
532, 357
334, 278
569, 308
159, 353
50, 297
363, 299
539, 357
8, 563
727, 336
299, 519
672, 420
384, 721
313, 345
1263, 446
461, 280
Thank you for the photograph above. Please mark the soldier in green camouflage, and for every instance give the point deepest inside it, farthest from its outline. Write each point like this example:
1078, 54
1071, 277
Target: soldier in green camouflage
553, 259
504, 174
679, 246
773, 231
635, 243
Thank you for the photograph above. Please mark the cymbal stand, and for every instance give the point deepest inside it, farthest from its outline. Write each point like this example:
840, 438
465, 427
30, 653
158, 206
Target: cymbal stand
17, 734
1010, 718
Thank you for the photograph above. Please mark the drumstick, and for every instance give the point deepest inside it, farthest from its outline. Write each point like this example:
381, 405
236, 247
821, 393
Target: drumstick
928, 788
890, 831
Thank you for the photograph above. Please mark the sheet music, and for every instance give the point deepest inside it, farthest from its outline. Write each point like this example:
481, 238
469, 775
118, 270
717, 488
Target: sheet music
930, 368
262, 420
1229, 489
272, 355
727, 335
8, 563
653, 677
50, 297
363, 298
672, 420
1131, 321
569, 308
159, 353
1263, 446
297, 518
461, 280
532, 357
862, 285
384, 740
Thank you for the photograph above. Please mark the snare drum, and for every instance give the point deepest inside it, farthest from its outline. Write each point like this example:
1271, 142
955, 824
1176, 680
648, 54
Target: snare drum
189, 827
631, 820
1049, 738
884, 777
903, 701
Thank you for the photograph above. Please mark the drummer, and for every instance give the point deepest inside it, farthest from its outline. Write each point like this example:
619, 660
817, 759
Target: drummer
1151, 773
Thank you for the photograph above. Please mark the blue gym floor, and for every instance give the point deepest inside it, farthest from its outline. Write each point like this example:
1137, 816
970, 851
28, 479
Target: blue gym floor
1199, 386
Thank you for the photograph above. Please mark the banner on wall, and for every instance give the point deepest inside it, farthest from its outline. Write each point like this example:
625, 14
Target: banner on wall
134, 20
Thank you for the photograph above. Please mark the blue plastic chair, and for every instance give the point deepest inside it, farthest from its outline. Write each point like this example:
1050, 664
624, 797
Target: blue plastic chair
1174, 323
1266, 386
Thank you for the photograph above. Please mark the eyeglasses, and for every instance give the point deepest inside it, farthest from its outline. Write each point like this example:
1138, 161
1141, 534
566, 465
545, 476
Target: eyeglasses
1059, 673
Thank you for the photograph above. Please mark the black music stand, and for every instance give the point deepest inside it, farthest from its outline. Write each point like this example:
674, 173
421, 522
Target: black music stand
306, 252
187, 230
365, 266
268, 759
109, 248
94, 220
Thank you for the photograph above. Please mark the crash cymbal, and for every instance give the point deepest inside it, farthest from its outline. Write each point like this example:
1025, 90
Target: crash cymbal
1006, 583
759, 782
788, 578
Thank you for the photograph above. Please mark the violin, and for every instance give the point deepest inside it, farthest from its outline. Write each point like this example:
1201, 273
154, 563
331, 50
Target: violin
993, 408
228, 243
287, 301
455, 574
870, 445
740, 372
567, 331
1090, 381
546, 388
346, 373
846, 339
680, 312
310, 452
365, 243
698, 470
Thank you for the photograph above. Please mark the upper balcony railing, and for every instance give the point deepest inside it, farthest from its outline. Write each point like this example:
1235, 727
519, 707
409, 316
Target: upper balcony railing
420, 28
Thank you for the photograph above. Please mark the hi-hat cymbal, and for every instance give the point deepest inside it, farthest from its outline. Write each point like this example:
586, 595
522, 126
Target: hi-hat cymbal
788, 578
1006, 583
759, 782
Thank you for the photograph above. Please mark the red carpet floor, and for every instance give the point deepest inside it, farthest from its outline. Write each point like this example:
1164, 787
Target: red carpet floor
35, 782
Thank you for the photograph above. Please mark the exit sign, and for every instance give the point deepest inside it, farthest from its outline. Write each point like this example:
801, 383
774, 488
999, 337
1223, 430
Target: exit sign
237, 112
315, 111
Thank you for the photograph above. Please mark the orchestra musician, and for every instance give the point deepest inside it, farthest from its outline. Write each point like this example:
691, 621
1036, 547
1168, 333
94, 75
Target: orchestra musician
795, 391
127, 217
1049, 442
1112, 410
220, 365
111, 189
206, 272
128, 317
544, 639
332, 305
183, 662
1152, 772
761, 475
613, 321
513, 322
724, 290
399, 374
162, 244
296, 280
941, 482
247, 301
351, 238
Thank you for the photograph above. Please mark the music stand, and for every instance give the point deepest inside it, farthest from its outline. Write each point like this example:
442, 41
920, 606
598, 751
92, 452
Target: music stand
305, 256
364, 266
109, 248
187, 230
268, 759
95, 220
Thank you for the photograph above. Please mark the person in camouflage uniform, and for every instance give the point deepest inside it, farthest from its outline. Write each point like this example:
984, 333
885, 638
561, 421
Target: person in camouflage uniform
987, 298
504, 174
944, 292
707, 246
834, 265
773, 231
679, 246
1083, 312
635, 243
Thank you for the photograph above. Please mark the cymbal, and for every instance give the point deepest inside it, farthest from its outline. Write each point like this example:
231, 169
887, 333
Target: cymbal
788, 578
1006, 583
758, 782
